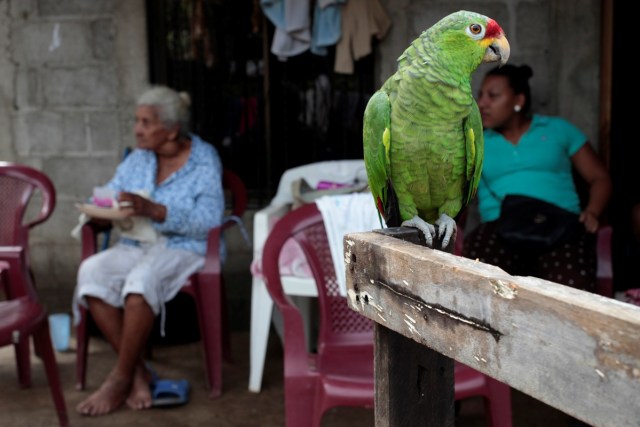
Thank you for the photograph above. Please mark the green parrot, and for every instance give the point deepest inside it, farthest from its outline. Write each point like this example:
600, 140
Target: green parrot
422, 134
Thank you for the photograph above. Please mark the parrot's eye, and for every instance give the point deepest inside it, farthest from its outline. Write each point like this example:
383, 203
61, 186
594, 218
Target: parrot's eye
476, 31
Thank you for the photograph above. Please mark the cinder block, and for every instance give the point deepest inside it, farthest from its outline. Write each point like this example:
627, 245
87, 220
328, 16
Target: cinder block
27, 88
74, 7
103, 36
39, 132
80, 87
75, 178
104, 131
534, 19
50, 132
66, 42
74, 132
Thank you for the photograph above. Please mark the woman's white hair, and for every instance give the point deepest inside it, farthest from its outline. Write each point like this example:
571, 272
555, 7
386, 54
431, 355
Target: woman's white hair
172, 107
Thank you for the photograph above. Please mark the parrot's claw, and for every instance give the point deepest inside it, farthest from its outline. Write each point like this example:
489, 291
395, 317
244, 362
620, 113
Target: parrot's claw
429, 230
447, 229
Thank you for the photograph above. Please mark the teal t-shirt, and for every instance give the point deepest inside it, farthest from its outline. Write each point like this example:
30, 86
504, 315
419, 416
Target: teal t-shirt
538, 166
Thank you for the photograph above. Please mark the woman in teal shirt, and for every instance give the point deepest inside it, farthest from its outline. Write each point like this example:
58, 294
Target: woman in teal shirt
533, 155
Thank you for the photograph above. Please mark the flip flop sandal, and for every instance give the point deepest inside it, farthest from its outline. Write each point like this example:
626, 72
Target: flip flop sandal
170, 392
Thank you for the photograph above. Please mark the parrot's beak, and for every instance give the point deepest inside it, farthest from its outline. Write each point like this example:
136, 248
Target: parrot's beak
498, 51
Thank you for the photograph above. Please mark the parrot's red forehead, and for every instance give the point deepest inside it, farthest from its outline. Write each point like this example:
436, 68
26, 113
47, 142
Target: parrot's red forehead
493, 29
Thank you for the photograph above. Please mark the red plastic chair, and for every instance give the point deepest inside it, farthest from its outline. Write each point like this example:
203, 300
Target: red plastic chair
495, 394
206, 287
341, 372
19, 184
604, 283
21, 315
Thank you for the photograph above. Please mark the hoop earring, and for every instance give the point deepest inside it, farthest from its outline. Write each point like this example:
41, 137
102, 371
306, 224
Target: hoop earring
517, 108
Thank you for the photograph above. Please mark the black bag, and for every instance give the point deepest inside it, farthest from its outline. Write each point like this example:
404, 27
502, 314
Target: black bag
527, 223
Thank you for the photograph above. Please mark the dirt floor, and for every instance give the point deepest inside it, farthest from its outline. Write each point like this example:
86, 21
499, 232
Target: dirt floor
237, 407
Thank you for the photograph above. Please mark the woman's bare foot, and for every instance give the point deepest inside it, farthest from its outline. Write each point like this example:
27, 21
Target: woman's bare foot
140, 394
109, 397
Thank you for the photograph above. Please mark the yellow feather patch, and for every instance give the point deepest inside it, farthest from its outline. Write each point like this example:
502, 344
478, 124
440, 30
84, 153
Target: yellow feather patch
386, 141
485, 42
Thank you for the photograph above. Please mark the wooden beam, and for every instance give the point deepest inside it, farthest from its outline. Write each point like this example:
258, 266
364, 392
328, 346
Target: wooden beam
573, 350
413, 383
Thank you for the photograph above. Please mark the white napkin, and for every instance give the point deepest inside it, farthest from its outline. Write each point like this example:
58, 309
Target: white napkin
347, 213
134, 227
137, 228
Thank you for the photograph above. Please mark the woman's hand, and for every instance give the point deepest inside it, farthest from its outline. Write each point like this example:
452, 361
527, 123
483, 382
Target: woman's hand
141, 206
592, 170
590, 221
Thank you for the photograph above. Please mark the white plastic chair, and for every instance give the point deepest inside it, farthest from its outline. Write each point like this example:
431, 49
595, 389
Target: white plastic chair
342, 171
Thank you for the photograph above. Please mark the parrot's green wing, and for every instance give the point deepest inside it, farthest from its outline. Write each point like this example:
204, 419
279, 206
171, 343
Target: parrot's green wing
422, 133
474, 139
376, 141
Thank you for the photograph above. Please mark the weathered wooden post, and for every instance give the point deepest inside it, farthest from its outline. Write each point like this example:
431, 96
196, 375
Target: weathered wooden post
572, 350
420, 378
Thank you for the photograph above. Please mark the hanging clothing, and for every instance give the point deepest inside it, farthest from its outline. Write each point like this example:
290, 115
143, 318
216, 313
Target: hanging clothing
327, 25
361, 20
293, 27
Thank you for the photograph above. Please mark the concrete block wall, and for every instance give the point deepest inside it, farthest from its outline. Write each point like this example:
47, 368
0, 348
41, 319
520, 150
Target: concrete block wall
70, 71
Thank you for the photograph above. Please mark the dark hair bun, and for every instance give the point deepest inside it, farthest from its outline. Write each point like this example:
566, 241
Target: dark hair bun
525, 72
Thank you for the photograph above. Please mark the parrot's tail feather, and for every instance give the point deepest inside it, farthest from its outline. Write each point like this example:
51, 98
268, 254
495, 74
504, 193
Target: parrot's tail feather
392, 209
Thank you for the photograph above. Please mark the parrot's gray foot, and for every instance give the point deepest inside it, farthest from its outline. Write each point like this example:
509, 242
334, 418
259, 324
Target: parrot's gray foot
447, 229
427, 229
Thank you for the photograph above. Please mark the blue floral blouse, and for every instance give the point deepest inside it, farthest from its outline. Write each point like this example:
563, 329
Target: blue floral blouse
193, 194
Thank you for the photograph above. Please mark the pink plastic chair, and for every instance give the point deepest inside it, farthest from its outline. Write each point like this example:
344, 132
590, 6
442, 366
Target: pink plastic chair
21, 317
21, 314
495, 394
340, 373
205, 287
18, 185
604, 284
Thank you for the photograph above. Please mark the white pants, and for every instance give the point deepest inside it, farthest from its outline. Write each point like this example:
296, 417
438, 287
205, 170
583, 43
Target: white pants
151, 270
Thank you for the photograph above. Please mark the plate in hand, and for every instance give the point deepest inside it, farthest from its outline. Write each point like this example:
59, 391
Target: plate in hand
103, 213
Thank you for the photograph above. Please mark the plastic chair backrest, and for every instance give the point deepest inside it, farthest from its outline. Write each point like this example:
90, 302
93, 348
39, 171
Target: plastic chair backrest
18, 183
306, 227
342, 171
604, 281
337, 320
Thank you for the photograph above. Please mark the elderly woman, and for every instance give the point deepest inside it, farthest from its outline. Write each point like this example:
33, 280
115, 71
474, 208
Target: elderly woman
174, 179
